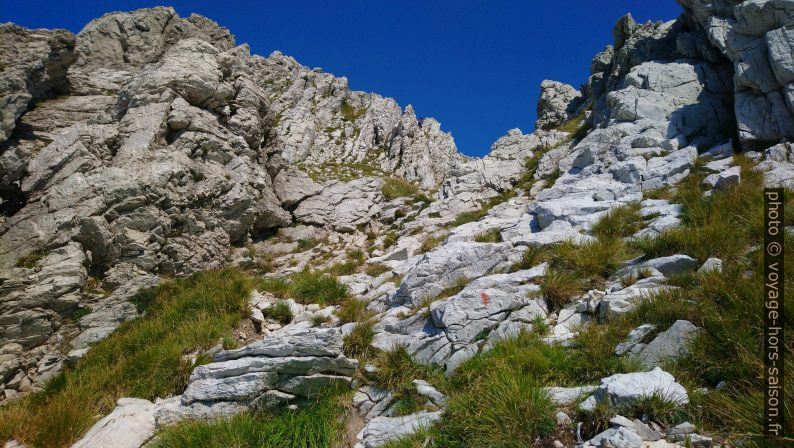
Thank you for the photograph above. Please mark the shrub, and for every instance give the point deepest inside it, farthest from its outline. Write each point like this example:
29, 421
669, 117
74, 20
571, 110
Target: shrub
493, 235
280, 312
358, 343
397, 187
142, 358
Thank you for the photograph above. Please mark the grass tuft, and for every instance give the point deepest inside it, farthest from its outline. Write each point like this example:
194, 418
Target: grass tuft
619, 222
142, 358
358, 343
280, 312
493, 235
397, 187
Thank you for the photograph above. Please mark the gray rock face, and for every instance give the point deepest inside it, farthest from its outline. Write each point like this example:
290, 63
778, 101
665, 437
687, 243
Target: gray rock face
443, 267
130, 425
166, 144
558, 101
296, 362
380, 430
670, 344
34, 67
754, 36
343, 205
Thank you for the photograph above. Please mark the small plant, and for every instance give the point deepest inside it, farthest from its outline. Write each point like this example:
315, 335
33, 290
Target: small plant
429, 244
396, 187
349, 113
389, 239
628, 280
81, 312
319, 319
305, 244
552, 177
560, 287
307, 287
375, 270
30, 260
619, 222
353, 310
280, 312
493, 235
644, 272
396, 371
540, 326
229, 343
532, 256
93, 285
358, 343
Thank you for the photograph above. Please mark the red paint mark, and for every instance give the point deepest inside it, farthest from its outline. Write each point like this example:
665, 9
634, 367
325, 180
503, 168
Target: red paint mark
485, 298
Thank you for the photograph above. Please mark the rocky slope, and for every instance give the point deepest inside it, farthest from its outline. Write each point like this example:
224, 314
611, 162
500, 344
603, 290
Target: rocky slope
149, 145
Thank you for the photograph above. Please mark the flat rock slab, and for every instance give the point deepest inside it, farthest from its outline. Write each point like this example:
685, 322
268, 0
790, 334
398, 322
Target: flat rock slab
130, 425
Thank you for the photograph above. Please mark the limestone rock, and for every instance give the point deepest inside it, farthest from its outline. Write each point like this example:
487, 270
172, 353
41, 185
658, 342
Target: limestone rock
558, 101
624, 388
380, 430
130, 425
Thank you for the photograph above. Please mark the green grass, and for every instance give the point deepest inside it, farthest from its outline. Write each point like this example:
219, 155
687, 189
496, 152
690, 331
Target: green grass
493, 399
619, 222
577, 126
142, 358
591, 262
319, 319
318, 425
397, 187
355, 258
722, 225
552, 177
357, 344
493, 235
307, 287
279, 312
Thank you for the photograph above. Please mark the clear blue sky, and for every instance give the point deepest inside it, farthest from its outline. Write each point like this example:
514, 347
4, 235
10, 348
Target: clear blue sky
476, 66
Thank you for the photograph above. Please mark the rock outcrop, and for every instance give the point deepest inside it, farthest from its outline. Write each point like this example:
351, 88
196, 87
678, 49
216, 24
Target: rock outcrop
151, 145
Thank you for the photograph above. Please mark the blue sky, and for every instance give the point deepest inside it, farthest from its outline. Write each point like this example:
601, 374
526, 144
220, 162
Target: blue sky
476, 66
